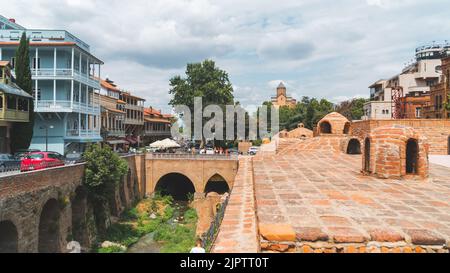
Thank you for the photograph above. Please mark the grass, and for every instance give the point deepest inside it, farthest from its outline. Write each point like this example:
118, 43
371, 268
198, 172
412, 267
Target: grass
136, 222
178, 238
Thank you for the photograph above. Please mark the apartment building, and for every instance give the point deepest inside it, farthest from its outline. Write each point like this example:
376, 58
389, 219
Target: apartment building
66, 86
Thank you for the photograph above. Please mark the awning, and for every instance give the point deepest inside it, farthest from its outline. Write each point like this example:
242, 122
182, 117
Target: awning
117, 141
131, 140
13, 89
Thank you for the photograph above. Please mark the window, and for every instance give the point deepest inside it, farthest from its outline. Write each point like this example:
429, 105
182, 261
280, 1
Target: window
36, 63
38, 94
418, 111
13, 62
1, 102
11, 102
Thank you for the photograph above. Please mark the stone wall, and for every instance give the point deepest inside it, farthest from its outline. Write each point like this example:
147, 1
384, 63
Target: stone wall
282, 238
437, 131
23, 197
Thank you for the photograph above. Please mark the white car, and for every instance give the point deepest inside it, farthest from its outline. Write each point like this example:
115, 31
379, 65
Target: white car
253, 150
209, 151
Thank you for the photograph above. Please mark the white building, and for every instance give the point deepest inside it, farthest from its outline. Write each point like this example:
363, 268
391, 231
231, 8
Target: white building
416, 77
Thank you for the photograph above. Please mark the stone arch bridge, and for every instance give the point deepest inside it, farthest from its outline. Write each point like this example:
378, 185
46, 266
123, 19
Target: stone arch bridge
203, 171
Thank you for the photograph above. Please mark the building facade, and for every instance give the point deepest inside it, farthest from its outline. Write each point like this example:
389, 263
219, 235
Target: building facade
282, 99
66, 86
112, 116
387, 96
134, 118
156, 125
14, 106
439, 95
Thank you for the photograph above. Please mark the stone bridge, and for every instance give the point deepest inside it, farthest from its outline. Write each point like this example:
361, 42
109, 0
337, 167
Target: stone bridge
41, 211
197, 174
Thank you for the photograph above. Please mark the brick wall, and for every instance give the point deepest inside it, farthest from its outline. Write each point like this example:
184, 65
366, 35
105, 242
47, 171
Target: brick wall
436, 131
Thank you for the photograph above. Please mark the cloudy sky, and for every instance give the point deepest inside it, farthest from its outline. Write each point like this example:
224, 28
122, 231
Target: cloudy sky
320, 48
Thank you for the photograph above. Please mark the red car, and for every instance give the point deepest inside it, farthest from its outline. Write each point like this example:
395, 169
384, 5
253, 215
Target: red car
41, 160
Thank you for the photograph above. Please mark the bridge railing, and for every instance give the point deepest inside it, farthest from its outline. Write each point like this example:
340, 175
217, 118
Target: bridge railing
209, 237
190, 156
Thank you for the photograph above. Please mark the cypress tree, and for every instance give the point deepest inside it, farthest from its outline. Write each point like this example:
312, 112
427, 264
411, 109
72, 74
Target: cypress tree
22, 132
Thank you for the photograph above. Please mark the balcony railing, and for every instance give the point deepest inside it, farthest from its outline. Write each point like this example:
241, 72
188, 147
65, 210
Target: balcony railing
66, 106
116, 133
190, 156
133, 121
157, 133
64, 73
14, 115
82, 133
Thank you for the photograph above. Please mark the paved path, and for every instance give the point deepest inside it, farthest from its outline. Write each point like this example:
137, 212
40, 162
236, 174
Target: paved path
238, 232
326, 193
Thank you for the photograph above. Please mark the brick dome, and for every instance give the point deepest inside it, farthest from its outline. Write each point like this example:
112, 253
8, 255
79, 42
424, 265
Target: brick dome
333, 123
395, 151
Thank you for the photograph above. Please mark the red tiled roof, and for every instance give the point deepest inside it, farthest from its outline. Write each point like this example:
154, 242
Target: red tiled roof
108, 85
4, 63
158, 120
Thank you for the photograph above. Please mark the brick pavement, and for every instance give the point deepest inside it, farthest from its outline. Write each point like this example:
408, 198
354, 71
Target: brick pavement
320, 193
238, 231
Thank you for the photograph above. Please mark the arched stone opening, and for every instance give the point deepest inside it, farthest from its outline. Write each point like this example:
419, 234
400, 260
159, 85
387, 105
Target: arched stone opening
217, 184
412, 156
325, 127
79, 211
354, 147
176, 185
8, 237
347, 128
49, 228
367, 155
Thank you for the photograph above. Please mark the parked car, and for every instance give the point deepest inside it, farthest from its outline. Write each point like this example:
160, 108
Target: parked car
233, 151
74, 158
20, 154
210, 151
8, 163
253, 150
41, 160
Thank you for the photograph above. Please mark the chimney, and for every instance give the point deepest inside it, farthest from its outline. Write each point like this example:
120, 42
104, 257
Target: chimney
12, 20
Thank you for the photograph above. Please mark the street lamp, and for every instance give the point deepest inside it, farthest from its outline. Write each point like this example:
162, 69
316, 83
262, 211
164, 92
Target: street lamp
46, 127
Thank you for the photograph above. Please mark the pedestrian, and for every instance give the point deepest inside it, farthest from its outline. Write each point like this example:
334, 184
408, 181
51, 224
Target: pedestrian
198, 248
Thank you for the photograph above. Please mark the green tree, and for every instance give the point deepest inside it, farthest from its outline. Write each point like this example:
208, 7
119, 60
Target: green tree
23, 132
203, 80
352, 109
103, 172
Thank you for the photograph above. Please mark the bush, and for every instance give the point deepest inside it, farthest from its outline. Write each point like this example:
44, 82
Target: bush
110, 249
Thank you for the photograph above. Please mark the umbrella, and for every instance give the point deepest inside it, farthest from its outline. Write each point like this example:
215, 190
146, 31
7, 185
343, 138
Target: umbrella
156, 144
168, 143
165, 144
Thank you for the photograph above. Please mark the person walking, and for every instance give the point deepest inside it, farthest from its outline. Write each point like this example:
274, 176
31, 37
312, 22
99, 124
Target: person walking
198, 248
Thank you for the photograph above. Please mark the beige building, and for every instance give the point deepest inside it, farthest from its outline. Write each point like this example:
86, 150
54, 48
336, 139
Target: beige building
418, 77
282, 99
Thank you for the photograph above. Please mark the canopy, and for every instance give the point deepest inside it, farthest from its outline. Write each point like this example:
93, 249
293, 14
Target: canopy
164, 144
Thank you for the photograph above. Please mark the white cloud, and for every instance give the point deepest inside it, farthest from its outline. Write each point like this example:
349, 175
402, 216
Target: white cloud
332, 49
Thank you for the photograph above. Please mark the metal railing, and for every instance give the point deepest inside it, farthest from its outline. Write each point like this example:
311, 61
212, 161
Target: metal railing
6, 170
209, 237
60, 105
191, 156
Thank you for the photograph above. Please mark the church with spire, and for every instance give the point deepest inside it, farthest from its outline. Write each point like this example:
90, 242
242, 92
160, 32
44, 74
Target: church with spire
282, 99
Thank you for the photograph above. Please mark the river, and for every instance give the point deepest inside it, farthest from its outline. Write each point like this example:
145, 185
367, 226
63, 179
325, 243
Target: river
147, 244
